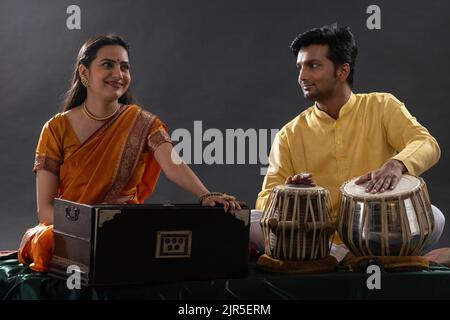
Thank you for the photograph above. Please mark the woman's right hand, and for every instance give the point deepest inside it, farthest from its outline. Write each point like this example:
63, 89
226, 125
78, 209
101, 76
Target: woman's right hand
301, 178
227, 203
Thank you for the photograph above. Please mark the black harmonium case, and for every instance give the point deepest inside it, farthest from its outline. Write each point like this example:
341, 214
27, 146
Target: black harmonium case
148, 243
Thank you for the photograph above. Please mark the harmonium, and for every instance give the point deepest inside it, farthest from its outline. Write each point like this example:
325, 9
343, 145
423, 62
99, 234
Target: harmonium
148, 243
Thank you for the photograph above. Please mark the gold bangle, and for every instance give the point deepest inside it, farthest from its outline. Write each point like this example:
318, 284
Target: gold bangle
225, 196
209, 194
228, 197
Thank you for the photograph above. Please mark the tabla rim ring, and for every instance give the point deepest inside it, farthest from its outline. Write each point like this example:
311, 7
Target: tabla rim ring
403, 196
301, 191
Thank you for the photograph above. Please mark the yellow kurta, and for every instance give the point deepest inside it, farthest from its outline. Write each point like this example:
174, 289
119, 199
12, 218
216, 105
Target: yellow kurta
371, 129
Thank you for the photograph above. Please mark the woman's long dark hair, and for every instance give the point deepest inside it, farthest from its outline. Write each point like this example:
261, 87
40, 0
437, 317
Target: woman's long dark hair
77, 92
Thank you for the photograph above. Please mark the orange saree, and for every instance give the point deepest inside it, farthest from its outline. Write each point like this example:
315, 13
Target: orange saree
115, 161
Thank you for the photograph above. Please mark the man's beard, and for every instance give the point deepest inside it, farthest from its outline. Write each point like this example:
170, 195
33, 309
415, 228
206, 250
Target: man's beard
317, 95
312, 96
309, 96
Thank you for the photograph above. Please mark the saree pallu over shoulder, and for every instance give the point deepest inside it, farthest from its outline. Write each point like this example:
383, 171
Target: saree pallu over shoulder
134, 146
102, 166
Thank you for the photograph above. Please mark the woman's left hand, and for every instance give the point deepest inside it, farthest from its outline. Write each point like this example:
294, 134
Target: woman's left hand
228, 202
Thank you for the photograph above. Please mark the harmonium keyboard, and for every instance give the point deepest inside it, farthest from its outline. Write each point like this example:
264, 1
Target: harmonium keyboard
148, 243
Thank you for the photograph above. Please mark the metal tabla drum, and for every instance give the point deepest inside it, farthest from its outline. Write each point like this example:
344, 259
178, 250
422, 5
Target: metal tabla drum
394, 223
296, 224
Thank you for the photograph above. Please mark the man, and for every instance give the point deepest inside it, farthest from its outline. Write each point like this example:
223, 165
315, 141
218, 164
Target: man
344, 135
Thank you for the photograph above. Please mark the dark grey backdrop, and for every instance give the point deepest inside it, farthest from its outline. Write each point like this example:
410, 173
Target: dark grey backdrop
226, 63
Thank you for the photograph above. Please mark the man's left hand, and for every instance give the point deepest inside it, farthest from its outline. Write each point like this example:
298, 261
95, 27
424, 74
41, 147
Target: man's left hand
385, 178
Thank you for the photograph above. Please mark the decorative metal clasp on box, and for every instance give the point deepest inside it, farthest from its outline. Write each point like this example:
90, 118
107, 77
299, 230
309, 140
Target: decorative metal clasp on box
173, 244
72, 213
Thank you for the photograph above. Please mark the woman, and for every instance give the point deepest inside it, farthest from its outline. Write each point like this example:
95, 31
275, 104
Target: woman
102, 148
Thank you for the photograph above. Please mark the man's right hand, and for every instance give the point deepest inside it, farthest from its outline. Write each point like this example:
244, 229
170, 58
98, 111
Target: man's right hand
301, 178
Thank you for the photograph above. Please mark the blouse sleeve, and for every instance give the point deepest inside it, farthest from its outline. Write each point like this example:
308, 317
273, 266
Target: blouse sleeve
49, 155
158, 134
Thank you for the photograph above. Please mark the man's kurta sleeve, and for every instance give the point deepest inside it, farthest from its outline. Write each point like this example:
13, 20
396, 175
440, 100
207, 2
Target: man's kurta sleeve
416, 147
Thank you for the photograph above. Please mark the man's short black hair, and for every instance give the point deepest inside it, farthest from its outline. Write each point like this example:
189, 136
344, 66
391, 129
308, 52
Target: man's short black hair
341, 45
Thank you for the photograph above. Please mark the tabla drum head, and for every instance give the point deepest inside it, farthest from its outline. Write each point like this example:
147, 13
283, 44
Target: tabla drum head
406, 184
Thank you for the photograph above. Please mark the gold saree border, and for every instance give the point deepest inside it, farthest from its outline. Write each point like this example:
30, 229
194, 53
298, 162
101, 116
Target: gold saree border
156, 138
131, 152
42, 161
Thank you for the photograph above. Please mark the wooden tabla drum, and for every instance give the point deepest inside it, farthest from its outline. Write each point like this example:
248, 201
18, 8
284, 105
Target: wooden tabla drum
393, 223
296, 224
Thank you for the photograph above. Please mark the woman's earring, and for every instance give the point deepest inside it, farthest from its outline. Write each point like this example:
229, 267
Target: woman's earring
84, 81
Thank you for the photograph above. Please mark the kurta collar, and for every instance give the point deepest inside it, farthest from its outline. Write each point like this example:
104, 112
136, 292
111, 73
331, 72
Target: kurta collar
347, 107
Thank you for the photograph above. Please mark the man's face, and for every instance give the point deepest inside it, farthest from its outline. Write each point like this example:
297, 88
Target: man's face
317, 74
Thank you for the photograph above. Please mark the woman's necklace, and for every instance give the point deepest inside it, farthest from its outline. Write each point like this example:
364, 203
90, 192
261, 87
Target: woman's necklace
90, 115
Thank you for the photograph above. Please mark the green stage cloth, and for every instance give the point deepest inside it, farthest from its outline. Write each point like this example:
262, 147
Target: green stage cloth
18, 282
